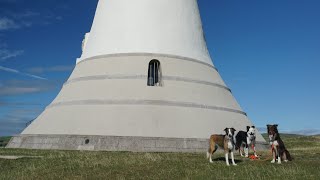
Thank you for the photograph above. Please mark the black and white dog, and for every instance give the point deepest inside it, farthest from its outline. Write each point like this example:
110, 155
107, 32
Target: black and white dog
246, 139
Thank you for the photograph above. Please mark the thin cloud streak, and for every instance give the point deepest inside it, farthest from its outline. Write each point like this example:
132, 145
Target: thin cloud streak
6, 54
23, 87
18, 104
40, 70
21, 73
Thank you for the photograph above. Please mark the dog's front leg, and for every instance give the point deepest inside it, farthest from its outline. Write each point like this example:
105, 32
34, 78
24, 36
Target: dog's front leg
279, 160
232, 158
227, 158
247, 151
278, 153
210, 158
254, 150
274, 155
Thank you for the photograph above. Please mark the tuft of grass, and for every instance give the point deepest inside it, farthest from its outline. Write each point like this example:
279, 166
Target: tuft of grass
129, 165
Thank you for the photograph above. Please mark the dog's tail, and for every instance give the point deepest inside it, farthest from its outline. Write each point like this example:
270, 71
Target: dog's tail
289, 157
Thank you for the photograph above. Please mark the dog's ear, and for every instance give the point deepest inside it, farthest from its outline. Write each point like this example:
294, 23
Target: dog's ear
226, 130
248, 127
276, 125
233, 129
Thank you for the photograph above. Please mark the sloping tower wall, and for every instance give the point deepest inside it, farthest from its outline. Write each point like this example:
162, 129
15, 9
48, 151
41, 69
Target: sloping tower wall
108, 102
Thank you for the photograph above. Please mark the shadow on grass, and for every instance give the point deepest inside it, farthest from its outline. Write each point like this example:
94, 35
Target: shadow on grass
224, 159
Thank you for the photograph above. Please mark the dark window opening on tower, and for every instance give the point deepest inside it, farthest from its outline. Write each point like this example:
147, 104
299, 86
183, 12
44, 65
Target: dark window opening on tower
154, 73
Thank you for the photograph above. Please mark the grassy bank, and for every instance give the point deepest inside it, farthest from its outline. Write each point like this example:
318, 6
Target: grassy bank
125, 165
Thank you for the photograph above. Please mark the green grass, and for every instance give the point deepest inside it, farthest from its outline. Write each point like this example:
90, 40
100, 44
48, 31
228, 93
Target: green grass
127, 165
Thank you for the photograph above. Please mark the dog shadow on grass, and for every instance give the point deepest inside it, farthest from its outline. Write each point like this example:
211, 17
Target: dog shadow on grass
237, 161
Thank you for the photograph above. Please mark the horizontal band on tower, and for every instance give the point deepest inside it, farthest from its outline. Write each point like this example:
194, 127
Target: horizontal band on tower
144, 77
148, 54
144, 102
112, 143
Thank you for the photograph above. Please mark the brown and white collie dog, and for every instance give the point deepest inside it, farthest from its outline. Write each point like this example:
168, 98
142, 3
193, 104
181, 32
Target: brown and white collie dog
224, 141
279, 151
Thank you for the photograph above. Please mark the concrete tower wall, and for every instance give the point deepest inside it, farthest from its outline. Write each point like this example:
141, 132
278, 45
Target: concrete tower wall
147, 26
106, 104
118, 102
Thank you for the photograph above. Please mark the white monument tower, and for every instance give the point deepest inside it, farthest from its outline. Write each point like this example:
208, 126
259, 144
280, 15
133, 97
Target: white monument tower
145, 82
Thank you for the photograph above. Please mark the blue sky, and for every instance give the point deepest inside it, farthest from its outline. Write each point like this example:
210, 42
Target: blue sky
268, 53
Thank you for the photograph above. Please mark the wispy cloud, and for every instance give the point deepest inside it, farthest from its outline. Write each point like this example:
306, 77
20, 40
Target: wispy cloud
17, 20
6, 24
26, 14
41, 70
7, 54
18, 90
21, 73
18, 104
19, 87
51, 19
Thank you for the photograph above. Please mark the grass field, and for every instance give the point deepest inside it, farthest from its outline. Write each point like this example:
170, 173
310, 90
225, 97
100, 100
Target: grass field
126, 165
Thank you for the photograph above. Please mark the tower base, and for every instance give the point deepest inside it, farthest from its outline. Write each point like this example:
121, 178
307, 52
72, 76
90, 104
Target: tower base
113, 143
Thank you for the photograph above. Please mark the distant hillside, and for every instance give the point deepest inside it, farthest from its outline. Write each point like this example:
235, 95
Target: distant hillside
4, 141
297, 141
283, 135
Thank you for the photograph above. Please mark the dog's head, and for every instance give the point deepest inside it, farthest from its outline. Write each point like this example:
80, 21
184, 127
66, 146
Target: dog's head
251, 131
230, 132
272, 129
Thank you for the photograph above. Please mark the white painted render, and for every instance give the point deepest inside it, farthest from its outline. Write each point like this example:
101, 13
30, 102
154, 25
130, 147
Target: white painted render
107, 93
147, 26
109, 96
